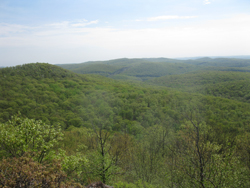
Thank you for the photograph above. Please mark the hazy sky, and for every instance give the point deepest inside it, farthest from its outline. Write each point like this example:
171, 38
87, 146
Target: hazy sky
74, 31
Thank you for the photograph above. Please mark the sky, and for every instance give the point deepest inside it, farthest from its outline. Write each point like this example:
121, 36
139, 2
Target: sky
75, 31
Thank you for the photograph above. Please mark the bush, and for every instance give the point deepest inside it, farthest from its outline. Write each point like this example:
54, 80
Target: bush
25, 172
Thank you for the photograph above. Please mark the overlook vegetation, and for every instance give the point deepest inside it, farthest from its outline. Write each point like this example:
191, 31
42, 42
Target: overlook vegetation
129, 123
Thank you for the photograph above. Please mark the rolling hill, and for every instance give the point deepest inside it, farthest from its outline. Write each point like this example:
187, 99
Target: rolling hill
55, 95
148, 68
227, 84
137, 128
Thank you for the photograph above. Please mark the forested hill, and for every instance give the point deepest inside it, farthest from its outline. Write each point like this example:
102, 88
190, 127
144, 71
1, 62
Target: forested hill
235, 57
148, 68
43, 91
124, 134
55, 95
132, 69
220, 62
227, 84
207, 61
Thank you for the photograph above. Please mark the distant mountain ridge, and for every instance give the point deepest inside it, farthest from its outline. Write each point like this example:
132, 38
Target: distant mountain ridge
237, 57
148, 68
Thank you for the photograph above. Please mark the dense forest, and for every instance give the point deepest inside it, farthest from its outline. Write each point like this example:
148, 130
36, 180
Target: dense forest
226, 84
128, 123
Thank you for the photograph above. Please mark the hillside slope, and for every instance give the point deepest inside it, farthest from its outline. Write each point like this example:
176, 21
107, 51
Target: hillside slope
148, 68
227, 84
55, 95
132, 69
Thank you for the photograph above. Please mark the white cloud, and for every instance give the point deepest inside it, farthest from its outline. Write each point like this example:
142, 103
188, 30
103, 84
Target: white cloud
84, 23
64, 43
59, 25
43, 30
207, 2
9, 29
169, 17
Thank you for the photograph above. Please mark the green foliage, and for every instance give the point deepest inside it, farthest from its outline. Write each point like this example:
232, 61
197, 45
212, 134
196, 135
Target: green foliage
149, 155
73, 165
138, 184
231, 85
205, 163
130, 134
84, 100
21, 135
